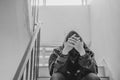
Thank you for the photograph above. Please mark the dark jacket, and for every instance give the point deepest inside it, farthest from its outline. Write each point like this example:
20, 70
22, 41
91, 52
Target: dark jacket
72, 64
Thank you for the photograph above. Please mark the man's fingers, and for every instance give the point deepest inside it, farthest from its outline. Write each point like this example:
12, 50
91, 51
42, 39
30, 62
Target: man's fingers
82, 43
78, 38
75, 38
71, 42
73, 35
71, 39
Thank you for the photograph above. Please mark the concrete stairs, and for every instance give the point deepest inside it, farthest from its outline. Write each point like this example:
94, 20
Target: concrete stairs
43, 66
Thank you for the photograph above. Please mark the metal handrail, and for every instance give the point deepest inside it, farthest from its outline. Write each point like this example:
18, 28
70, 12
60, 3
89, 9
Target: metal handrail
28, 67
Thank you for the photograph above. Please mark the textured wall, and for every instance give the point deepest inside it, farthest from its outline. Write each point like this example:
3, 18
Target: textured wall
14, 36
105, 20
57, 21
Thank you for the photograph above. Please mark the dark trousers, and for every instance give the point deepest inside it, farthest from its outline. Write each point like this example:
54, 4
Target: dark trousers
59, 76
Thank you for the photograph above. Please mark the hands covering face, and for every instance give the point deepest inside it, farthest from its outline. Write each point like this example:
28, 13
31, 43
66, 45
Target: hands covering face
74, 42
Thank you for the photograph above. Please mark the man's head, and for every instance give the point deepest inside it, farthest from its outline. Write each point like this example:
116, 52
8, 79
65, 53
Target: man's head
71, 33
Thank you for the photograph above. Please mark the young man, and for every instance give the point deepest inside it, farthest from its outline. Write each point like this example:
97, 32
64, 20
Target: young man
73, 60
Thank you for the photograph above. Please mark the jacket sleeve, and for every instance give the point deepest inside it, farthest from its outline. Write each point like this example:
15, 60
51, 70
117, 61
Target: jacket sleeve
57, 61
88, 62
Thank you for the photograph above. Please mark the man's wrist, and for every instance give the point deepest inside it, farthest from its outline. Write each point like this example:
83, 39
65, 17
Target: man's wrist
64, 52
82, 52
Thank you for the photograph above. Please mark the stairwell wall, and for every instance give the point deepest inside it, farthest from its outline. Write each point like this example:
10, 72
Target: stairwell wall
105, 22
14, 35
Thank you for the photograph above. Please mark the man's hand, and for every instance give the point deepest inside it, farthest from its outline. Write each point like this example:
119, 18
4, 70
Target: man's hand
67, 47
77, 44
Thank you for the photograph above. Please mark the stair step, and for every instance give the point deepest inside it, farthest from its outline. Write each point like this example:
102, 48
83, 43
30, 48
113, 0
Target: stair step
43, 78
101, 71
43, 71
102, 78
45, 52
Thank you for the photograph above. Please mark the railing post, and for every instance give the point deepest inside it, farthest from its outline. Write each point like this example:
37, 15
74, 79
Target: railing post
24, 74
29, 63
38, 53
34, 67
32, 64
28, 67
35, 59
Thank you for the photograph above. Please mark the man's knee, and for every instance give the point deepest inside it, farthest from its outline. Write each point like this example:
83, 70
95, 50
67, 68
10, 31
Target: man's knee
57, 76
91, 76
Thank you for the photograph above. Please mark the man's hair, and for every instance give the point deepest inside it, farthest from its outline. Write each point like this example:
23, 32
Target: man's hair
71, 33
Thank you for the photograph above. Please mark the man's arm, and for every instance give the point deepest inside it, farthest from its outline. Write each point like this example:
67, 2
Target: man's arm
88, 62
57, 61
